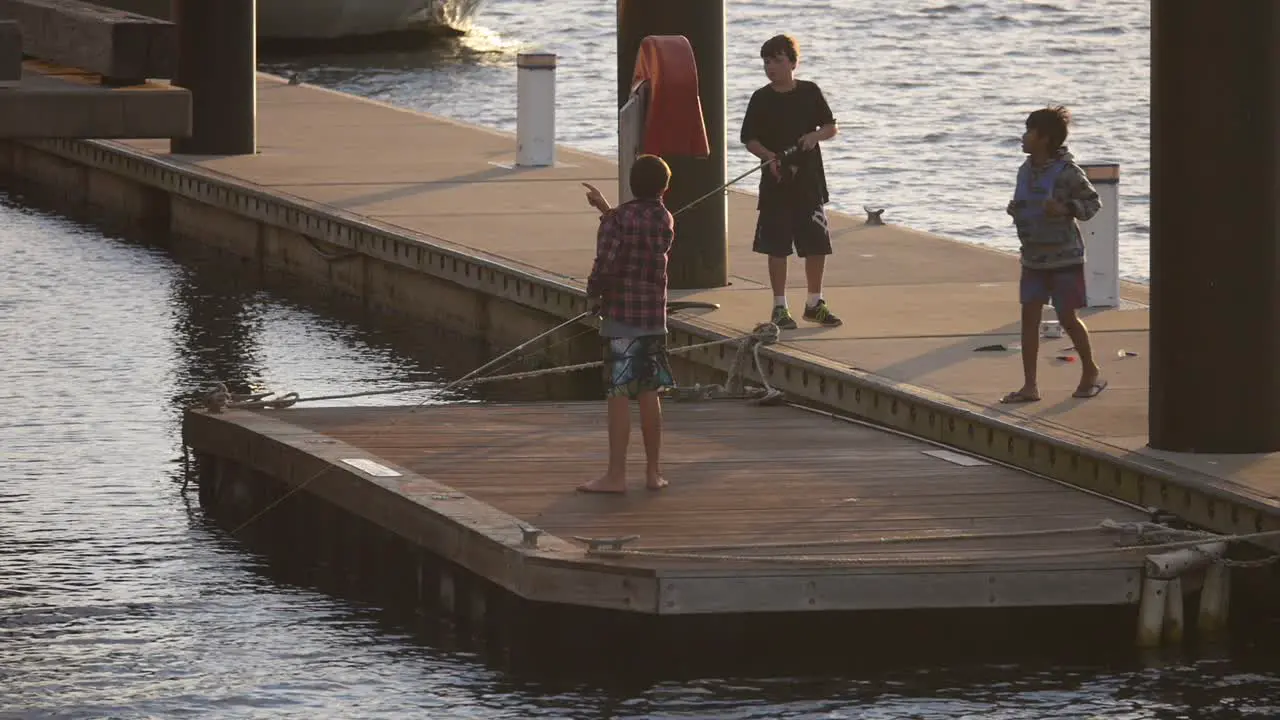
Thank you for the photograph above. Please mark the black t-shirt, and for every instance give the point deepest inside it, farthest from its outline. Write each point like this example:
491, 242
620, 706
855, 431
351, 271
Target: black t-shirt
777, 120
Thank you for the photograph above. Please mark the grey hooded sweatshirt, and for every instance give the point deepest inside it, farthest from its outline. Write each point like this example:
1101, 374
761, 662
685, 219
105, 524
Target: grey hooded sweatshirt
1052, 242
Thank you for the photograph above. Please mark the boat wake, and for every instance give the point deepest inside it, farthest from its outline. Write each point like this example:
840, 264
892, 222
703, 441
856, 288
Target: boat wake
455, 15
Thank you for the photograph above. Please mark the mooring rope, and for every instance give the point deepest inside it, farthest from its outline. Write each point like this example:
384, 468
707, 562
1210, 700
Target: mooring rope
1141, 529
942, 559
762, 334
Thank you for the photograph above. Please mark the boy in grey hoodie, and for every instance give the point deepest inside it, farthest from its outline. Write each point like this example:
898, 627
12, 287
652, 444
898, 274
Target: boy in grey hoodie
1051, 196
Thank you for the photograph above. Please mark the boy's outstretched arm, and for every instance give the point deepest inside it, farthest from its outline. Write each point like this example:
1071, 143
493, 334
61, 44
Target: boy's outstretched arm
1083, 201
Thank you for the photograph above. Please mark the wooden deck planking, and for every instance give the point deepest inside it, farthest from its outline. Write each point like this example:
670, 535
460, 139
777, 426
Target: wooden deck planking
739, 474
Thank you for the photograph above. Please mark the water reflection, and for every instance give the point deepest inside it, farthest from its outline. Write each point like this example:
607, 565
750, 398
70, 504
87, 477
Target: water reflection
216, 327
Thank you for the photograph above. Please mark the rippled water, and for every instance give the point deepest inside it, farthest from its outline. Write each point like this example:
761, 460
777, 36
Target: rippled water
931, 96
119, 599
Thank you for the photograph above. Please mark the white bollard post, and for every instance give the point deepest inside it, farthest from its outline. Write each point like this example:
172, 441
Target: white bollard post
536, 109
1102, 238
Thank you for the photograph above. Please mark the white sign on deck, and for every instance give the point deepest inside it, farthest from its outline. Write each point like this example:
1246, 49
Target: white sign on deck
957, 458
370, 467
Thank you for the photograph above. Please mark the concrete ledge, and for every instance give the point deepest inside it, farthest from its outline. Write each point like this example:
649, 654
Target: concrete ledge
113, 43
54, 102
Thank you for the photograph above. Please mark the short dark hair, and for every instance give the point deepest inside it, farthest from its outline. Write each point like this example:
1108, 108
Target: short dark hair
780, 45
650, 176
1051, 122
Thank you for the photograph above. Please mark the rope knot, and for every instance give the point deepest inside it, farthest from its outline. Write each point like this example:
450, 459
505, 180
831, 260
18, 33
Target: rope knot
284, 401
215, 401
765, 333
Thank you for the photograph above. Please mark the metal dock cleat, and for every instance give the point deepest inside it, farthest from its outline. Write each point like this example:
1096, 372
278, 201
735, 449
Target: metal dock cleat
529, 536
597, 544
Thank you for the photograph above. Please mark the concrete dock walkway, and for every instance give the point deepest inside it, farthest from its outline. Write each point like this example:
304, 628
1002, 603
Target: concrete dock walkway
915, 306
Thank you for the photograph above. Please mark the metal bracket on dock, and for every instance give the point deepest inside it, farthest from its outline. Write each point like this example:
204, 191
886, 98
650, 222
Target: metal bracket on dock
529, 536
597, 544
874, 215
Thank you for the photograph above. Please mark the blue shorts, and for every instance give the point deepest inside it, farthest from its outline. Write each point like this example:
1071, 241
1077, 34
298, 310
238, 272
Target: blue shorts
1064, 287
636, 365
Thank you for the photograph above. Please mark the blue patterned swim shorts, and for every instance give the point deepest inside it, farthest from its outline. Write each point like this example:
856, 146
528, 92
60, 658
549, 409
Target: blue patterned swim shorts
636, 365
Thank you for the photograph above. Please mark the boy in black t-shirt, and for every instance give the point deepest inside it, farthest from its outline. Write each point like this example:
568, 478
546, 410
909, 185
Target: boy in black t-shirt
785, 113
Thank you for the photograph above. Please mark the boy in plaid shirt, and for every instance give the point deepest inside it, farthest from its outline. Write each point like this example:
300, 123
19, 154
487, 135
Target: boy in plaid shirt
628, 281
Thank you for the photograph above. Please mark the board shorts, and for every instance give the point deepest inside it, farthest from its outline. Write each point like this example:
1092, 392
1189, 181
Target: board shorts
635, 365
783, 226
1064, 287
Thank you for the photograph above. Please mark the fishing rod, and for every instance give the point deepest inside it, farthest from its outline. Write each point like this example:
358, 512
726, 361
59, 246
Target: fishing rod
780, 156
517, 349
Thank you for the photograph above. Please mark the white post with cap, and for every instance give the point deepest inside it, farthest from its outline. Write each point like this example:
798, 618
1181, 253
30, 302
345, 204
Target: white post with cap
1102, 238
536, 109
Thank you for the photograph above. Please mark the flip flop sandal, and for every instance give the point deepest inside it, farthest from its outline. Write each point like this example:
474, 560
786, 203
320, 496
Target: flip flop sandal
1017, 396
1093, 390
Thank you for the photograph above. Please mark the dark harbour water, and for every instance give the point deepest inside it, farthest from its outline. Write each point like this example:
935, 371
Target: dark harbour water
120, 598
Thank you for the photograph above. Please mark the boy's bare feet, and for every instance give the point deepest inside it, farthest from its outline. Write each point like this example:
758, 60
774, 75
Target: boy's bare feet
1028, 393
605, 484
655, 480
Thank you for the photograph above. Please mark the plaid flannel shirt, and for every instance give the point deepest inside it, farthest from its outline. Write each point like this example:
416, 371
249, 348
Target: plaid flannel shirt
629, 274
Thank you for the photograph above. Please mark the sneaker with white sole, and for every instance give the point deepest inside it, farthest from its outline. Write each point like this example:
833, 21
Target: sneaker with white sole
821, 314
782, 318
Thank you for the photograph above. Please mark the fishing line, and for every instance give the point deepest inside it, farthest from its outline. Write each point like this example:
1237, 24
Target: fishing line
780, 156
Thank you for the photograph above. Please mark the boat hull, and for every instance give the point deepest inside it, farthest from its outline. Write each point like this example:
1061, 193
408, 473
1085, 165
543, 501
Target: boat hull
334, 19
